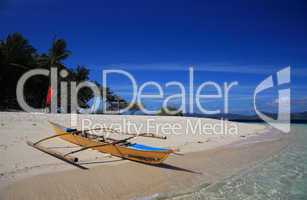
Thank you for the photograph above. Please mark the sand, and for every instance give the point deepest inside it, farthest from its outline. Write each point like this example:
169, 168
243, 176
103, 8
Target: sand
27, 173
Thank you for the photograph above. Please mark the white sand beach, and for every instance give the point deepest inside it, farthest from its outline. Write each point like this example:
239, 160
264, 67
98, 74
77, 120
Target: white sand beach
211, 156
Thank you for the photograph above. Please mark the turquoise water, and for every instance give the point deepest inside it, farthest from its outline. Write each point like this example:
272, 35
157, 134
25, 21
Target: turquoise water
284, 176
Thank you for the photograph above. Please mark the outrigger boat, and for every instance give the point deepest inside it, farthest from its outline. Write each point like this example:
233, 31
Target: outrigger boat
119, 148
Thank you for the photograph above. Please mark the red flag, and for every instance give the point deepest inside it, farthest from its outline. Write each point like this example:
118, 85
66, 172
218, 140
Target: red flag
49, 96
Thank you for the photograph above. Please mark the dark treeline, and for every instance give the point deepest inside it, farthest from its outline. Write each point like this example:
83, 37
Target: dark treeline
18, 56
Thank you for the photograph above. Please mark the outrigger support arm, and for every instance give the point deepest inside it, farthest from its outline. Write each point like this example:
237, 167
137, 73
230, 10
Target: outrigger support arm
152, 135
100, 145
75, 132
69, 159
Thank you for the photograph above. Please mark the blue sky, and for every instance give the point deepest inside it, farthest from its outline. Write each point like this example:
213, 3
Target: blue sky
242, 41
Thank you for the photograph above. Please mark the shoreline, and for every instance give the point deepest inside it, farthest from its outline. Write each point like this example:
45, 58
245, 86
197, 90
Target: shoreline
26, 168
138, 181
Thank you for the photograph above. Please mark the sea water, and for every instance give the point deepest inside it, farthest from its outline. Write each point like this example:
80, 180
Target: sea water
283, 176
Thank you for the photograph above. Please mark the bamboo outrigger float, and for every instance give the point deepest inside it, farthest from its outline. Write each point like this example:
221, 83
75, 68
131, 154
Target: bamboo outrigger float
119, 148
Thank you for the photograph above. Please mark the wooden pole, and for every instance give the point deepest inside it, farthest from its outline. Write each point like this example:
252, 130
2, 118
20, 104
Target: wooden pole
100, 145
67, 158
152, 135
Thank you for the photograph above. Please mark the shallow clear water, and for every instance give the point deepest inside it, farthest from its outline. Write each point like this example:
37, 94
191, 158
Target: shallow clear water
284, 176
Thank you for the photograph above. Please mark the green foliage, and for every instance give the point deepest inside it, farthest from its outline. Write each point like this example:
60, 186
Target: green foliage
170, 111
17, 56
135, 107
17, 52
79, 74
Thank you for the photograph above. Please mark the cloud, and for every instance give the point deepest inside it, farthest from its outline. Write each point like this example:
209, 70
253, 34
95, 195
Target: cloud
211, 67
296, 102
284, 100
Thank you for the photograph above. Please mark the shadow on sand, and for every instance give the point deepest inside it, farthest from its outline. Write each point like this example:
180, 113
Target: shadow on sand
172, 167
162, 165
99, 162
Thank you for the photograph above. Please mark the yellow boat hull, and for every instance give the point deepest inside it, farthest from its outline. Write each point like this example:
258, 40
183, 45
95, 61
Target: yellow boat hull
149, 157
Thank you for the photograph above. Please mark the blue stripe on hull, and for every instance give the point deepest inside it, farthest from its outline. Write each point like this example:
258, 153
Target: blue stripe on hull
145, 148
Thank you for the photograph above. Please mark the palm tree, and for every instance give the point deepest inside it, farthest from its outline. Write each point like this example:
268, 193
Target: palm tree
54, 58
17, 52
56, 55
79, 74
16, 57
